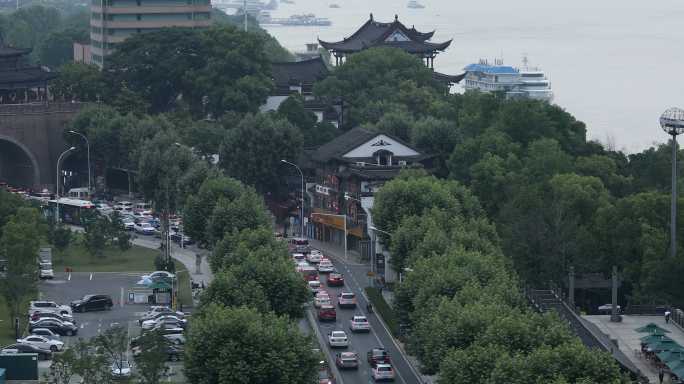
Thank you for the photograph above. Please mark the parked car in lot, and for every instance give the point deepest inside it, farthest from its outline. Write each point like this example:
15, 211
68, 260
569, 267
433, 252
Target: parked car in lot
93, 303
346, 300
63, 328
43, 354
327, 313
144, 228
335, 280
157, 314
173, 353
359, 324
45, 333
43, 315
345, 360
48, 306
121, 369
165, 319
338, 339
378, 356
326, 266
176, 237
42, 342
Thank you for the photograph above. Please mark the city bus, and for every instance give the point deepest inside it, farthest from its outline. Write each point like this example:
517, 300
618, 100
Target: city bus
72, 211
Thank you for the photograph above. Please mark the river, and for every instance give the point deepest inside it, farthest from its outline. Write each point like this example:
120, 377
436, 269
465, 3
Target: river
614, 64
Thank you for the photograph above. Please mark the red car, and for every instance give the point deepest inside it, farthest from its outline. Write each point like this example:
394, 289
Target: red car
325, 376
378, 356
335, 280
327, 312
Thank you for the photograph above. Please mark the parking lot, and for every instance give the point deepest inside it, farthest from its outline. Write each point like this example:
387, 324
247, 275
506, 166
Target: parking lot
66, 287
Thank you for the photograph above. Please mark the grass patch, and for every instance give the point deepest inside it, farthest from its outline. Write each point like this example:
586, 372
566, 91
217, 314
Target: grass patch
384, 310
76, 257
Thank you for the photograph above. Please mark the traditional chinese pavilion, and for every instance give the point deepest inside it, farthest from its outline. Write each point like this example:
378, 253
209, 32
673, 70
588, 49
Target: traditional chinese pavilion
395, 34
19, 82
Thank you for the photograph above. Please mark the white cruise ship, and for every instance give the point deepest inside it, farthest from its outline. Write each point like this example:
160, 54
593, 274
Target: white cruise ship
528, 82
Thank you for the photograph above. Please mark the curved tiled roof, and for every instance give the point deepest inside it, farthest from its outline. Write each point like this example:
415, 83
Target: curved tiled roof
305, 71
24, 77
374, 33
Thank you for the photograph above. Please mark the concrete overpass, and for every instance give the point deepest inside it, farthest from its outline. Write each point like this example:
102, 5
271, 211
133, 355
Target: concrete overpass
31, 140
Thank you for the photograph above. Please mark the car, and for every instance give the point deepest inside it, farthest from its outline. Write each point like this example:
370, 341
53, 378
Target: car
92, 303
298, 257
301, 265
45, 333
121, 369
42, 315
156, 315
359, 324
607, 308
177, 338
59, 327
165, 319
326, 266
335, 280
45, 271
382, 372
325, 376
322, 299
314, 286
314, 257
345, 360
144, 228
128, 223
42, 342
43, 354
378, 356
159, 275
338, 339
48, 306
176, 237
309, 273
346, 300
327, 313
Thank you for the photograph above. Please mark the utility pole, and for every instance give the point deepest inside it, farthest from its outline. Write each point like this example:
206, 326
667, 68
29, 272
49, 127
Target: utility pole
672, 122
244, 10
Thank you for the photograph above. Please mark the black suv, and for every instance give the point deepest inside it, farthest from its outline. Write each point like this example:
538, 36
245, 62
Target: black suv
92, 303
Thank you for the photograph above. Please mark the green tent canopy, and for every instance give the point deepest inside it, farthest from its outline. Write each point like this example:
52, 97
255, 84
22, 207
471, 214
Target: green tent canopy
679, 372
675, 364
671, 355
664, 345
160, 285
651, 327
650, 339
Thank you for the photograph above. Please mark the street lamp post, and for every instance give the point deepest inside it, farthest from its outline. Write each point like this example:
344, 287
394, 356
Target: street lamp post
88, 146
373, 261
59, 159
345, 229
672, 122
301, 217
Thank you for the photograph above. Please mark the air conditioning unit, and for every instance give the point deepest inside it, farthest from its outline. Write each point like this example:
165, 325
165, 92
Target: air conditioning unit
360, 164
402, 163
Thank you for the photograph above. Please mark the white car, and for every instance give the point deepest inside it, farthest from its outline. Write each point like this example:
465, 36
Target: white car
298, 258
42, 342
144, 228
121, 369
608, 308
359, 324
46, 271
48, 306
326, 266
314, 286
149, 324
382, 372
322, 298
159, 275
45, 333
315, 256
129, 224
177, 338
338, 339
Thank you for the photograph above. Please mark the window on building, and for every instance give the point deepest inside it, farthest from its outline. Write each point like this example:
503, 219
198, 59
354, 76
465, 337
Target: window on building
383, 157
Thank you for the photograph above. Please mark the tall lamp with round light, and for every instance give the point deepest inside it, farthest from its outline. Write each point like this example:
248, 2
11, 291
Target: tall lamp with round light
672, 122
